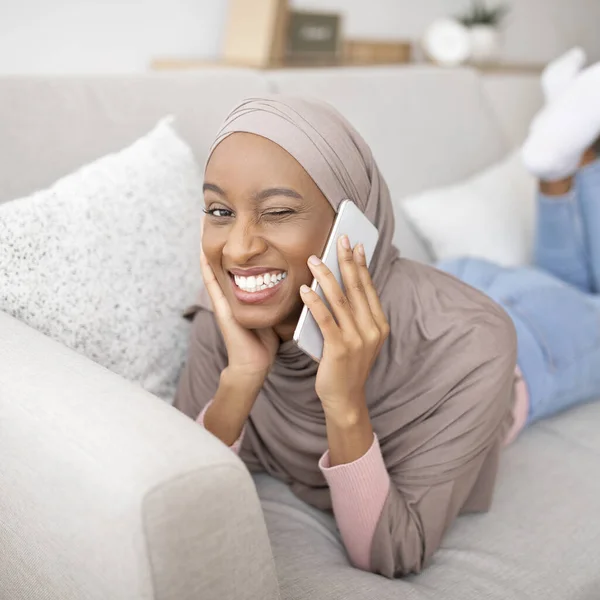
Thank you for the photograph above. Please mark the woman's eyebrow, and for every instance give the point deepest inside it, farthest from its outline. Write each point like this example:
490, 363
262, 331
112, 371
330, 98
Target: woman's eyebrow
213, 188
270, 192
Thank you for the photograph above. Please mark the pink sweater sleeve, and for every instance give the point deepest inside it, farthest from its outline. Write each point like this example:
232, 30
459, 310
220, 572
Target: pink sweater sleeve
236, 445
358, 492
520, 408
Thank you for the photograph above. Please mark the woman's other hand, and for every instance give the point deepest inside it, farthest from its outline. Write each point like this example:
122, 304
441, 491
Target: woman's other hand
250, 353
250, 356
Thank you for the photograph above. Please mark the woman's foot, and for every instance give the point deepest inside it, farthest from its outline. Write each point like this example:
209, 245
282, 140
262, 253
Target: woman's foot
559, 73
565, 129
555, 79
557, 76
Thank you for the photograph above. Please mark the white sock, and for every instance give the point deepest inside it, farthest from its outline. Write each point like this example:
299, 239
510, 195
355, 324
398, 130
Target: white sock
559, 73
556, 77
565, 129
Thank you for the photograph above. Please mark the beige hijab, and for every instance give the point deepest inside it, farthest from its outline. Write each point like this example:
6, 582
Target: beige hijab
439, 394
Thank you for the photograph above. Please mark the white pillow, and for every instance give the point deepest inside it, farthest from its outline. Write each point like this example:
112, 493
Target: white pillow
106, 259
491, 215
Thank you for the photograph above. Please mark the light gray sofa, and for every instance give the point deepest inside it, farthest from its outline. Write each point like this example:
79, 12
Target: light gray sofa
106, 493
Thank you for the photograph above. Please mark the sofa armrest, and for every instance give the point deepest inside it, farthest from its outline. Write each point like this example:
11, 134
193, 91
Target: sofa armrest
108, 492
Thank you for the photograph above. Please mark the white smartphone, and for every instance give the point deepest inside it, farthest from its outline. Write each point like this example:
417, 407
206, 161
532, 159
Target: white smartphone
350, 221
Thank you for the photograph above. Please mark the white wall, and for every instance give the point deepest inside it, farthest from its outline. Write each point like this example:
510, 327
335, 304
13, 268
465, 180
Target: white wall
122, 36
535, 31
91, 36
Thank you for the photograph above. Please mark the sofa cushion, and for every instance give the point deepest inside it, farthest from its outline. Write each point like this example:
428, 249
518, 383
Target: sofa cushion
106, 259
426, 126
52, 125
490, 215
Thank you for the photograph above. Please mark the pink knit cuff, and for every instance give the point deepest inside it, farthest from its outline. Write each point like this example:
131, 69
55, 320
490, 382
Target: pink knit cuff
358, 492
237, 444
520, 409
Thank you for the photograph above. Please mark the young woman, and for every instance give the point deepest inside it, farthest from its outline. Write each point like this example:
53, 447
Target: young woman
399, 428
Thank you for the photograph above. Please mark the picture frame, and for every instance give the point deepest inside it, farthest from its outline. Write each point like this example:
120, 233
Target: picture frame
313, 37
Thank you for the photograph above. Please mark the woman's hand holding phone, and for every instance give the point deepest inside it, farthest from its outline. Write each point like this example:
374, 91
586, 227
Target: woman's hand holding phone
353, 336
250, 354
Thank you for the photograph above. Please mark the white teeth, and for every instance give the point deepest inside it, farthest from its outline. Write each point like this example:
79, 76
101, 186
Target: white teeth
260, 282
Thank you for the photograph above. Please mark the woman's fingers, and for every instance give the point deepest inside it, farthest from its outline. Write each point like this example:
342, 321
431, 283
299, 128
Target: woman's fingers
329, 328
338, 301
355, 290
217, 297
371, 294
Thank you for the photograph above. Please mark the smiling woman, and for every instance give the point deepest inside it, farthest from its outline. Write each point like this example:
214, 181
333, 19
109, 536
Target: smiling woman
398, 428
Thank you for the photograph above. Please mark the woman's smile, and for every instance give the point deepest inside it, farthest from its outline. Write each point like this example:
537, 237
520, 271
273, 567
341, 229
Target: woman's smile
253, 286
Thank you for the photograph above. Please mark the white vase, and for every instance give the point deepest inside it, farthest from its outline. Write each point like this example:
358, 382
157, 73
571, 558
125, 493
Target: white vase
485, 43
446, 42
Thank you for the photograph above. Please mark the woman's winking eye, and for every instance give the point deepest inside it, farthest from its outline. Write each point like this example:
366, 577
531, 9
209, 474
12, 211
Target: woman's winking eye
219, 212
278, 212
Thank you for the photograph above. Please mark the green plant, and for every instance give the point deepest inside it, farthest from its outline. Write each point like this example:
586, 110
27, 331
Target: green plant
480, 14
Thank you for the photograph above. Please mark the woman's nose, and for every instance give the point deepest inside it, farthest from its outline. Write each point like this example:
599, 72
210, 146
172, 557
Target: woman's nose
243, 244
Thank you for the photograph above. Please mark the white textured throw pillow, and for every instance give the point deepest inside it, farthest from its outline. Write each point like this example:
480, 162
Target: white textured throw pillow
106, 259
491, 215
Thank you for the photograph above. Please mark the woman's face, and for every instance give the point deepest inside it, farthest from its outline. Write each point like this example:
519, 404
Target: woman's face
265, 217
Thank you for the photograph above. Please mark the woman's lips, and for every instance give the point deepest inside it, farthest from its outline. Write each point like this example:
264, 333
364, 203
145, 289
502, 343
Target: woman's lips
255, 297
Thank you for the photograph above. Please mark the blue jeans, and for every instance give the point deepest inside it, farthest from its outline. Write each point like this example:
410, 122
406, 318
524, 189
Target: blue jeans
555, 303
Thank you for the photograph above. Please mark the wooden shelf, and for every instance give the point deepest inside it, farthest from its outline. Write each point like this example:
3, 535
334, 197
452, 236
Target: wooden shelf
183, 64
510, 68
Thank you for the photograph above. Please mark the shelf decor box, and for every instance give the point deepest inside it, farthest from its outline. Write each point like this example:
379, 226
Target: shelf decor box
255, 33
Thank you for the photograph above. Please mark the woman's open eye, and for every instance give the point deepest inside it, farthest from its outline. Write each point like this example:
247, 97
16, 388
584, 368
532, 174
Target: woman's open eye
219, 213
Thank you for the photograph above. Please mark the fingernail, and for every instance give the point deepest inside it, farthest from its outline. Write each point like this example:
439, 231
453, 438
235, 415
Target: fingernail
304, 289
345, 242
361, 249
314, 260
